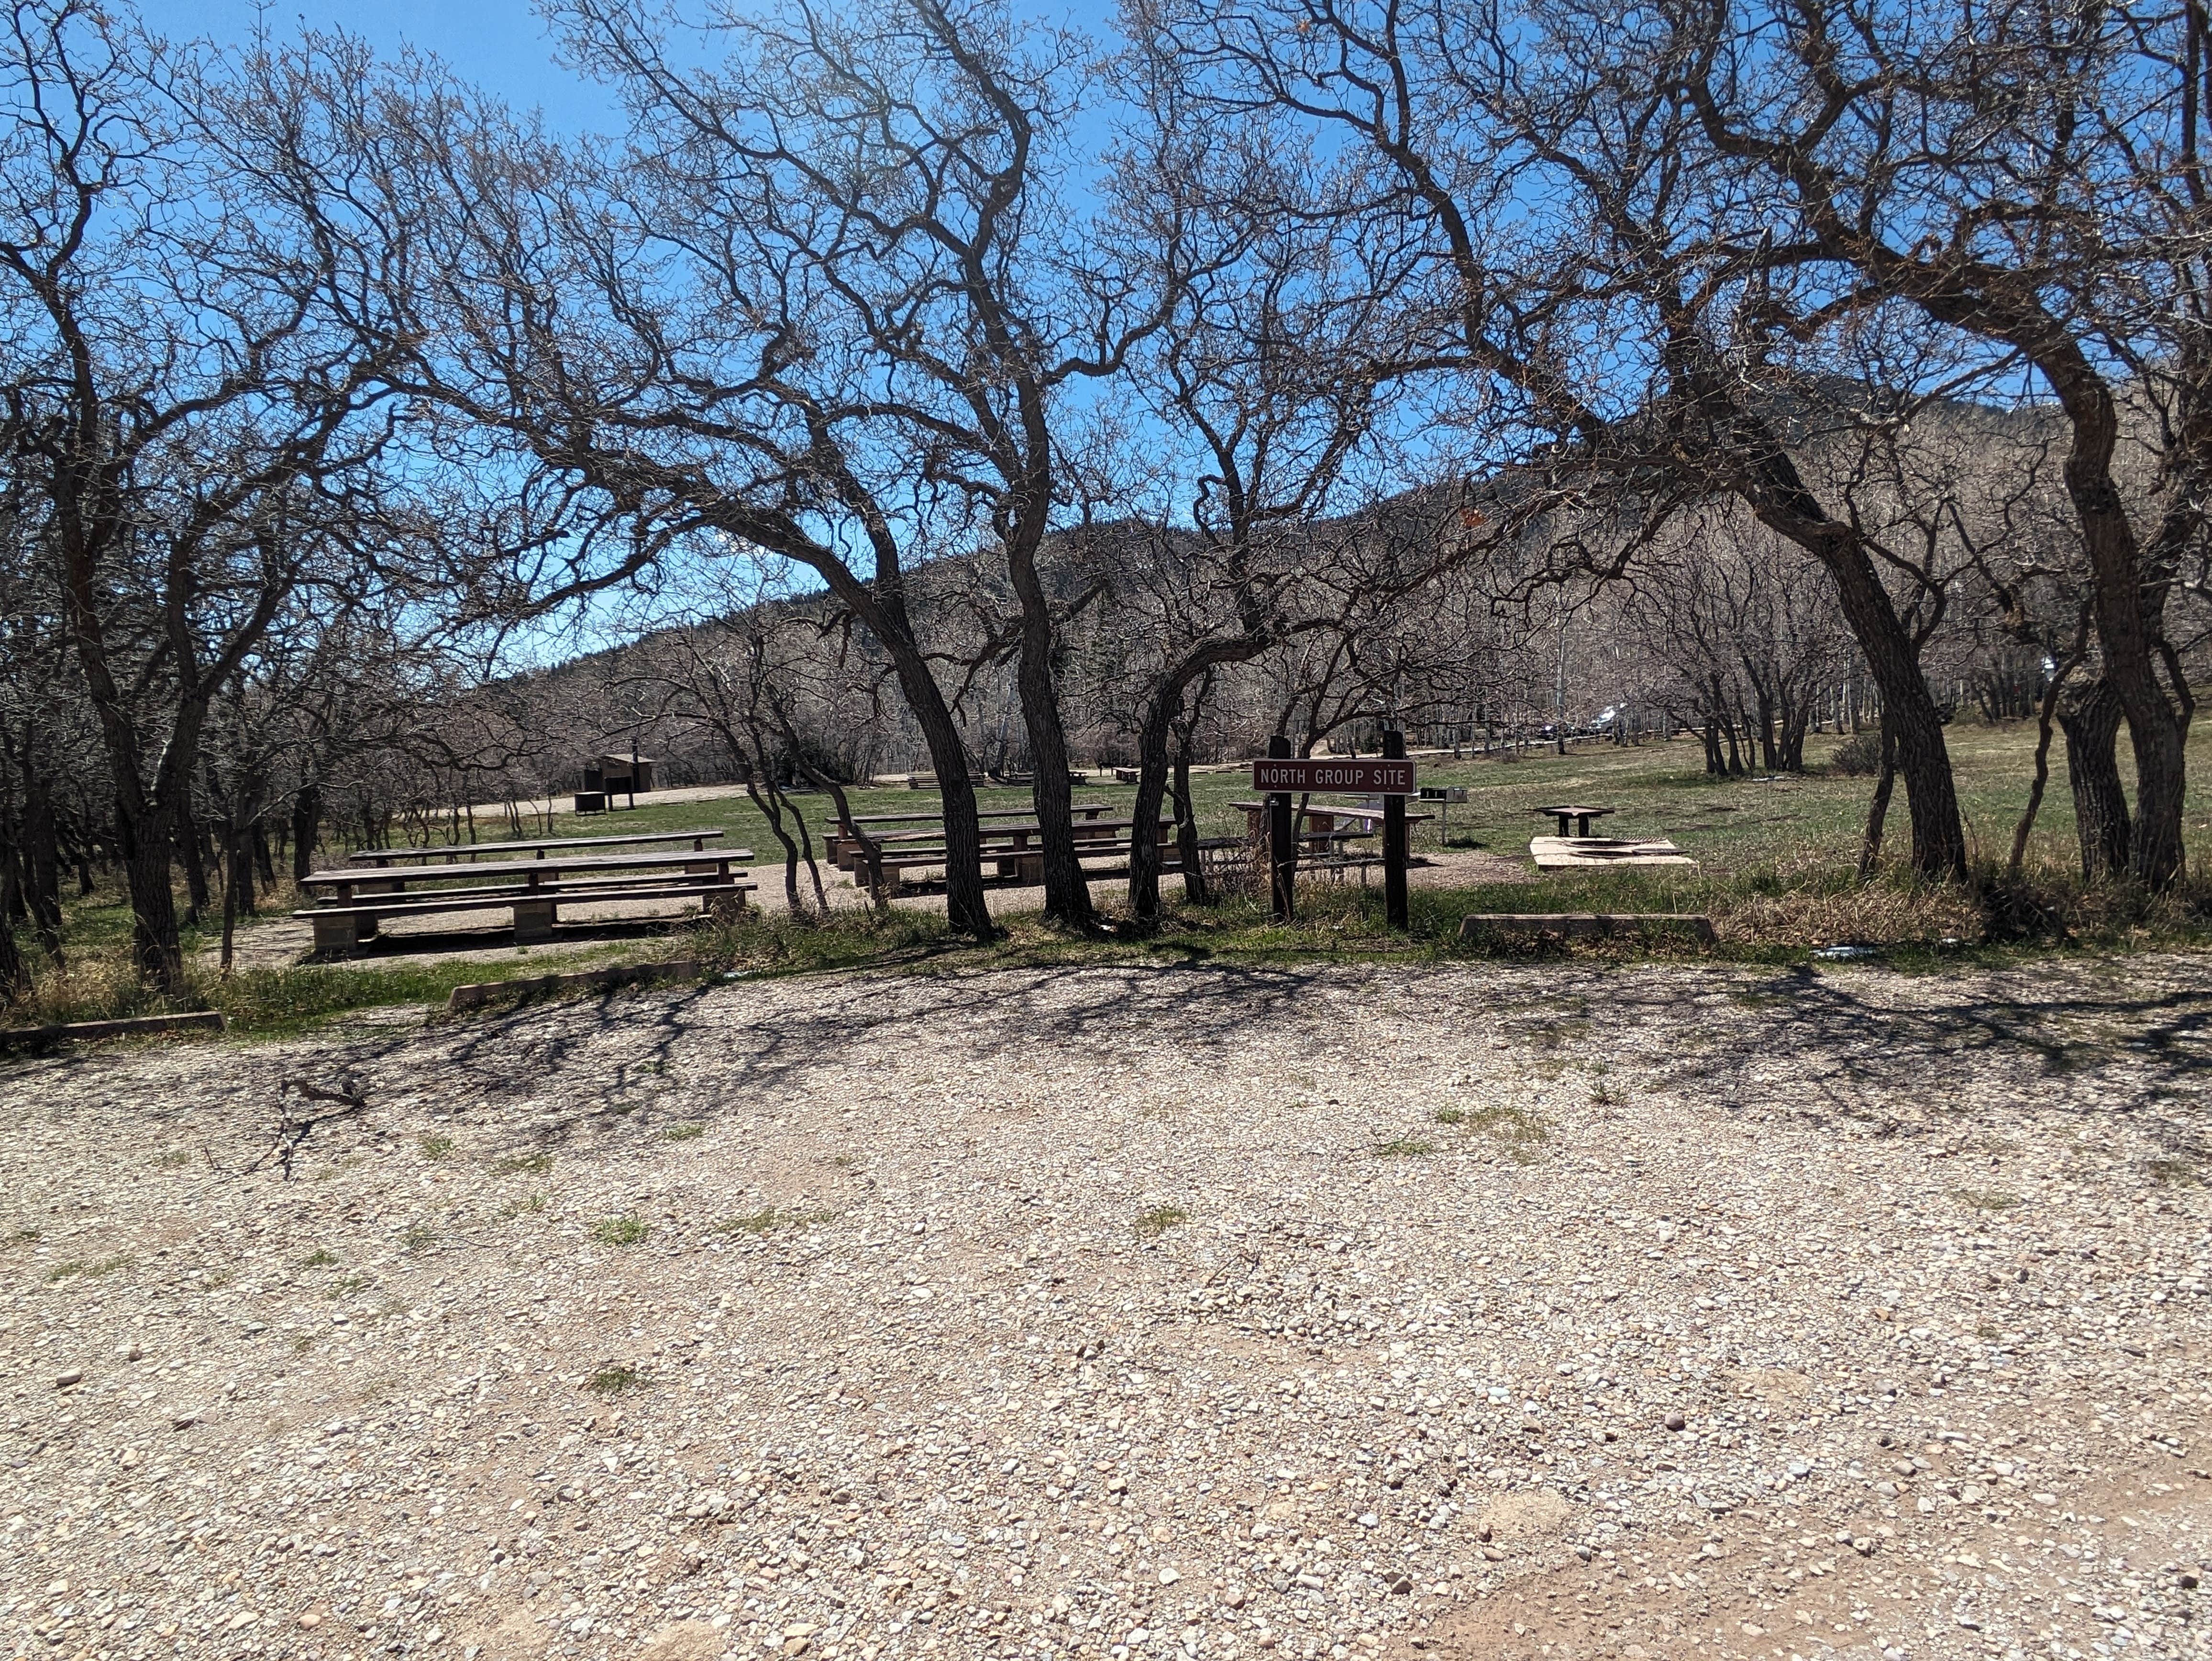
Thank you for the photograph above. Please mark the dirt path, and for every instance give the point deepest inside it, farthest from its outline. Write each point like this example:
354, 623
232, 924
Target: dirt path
1127, 1313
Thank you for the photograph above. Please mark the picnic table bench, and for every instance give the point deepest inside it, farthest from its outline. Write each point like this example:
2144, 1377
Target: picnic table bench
1009, 847
1321, 819
1581, 816
838, 842
355, 904
543, 845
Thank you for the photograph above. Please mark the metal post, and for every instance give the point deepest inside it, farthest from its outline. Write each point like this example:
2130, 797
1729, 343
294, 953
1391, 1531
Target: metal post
1282, 848
1393, 838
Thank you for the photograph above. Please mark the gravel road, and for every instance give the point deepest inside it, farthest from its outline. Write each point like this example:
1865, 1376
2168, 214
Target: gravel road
1130, 1313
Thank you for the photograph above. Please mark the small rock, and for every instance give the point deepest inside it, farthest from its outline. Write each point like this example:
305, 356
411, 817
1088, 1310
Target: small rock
183, 1421
1169, 1577
311, 1620
66, 1380
1401, 1585
1676, 1421
1902, 1466
1117, 1484
2188, 1581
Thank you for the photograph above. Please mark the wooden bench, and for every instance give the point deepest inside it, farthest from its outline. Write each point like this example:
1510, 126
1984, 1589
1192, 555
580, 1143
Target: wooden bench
1017, 861
356, 905
698, 839
842, 847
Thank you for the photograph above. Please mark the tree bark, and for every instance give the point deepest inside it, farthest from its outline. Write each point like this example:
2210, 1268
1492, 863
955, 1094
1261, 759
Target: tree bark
1878, 809
1186, 810
2045, 712
306, 828
2089, 714
145, 839
1067, 890
1153, 732
1910, 722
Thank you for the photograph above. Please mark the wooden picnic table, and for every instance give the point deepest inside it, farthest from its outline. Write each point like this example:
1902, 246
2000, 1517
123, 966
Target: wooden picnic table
344, 886
1087, 809
352, 904
1320, 818
698, 839
1581, 816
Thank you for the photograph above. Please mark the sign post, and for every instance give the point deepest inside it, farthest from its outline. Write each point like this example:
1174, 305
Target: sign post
1392, 778
1282, 840
1393, 838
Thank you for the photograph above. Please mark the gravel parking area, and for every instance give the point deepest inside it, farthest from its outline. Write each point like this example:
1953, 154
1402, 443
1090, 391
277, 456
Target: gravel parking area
1130, 1313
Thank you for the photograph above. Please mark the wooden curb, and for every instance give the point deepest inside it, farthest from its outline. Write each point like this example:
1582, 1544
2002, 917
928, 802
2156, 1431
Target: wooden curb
1583, 925
640, 974
202, 1020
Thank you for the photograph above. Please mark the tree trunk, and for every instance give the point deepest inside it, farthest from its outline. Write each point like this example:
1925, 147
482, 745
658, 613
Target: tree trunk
1186, 810
194, 837
2089, 714
2046, 711
307, 829
15, 973
145, 839
1878, 809
1067, 891
1153, 763
235, 870
41, 857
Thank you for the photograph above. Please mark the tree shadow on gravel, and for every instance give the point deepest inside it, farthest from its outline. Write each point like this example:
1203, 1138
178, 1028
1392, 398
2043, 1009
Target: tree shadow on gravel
1844, 1047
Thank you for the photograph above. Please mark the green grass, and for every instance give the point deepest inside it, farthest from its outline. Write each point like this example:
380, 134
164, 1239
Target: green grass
620, 1231
1989, 1199
1403, 1147
683, 1133
1776, 873
319, 1258
768, 1221
1159, 1219
103, 1266
612, 1381
536, 1164
437, 1148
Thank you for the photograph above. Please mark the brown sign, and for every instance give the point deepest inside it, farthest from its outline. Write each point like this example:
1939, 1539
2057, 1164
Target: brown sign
1373, 778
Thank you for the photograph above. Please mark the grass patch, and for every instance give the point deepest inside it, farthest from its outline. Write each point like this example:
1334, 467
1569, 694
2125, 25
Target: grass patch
24, 1236
528, 1202
683, 1133
1515, 1130
767, 1222
94, 1270
2176, 1172
437, 1148
170, 1157
620, 1231
613, 1381
1159, 1219
319, 1258
1988, 1199
1402, 1147
1776, 874
346, 1285
419, 1236
536, 1165
1449, 1116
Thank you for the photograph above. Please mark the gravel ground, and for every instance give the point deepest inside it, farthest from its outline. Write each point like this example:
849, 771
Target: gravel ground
1130, 1313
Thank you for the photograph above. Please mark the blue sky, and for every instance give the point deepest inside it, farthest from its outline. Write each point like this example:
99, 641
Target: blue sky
502, 46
